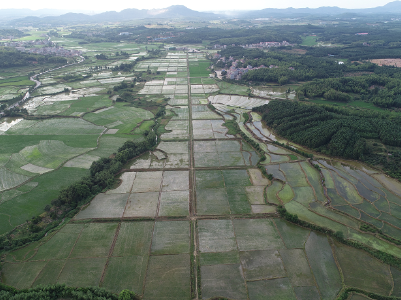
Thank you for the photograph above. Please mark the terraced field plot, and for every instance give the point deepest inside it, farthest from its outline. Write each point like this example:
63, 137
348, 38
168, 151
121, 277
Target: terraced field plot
203, 112
233, 254
87, 247
222, 153
239, 101
179, 130
165, 89
361, 196
204, 89
143, 194
128, 117
209, 129
28, 156
229, 192
55, 127
199, 68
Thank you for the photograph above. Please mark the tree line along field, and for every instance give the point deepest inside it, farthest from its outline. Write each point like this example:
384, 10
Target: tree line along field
194, 217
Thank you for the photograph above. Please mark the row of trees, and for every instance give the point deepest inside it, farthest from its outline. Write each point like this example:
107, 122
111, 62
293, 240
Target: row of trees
102, 173
60, 291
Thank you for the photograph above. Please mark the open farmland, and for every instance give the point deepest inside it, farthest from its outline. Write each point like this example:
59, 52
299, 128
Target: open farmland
62, 145
194, 217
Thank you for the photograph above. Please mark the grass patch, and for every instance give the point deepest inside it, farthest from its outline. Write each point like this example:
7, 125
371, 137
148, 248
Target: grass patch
168, 277
50, 272
286, 194
16, 81
60, 245
354, 104
15, 143
82, 272
309, 41
125, 273
171, 238
95, 240
22, 275
213, 258
212, 202
258, 234
216, 236
271, 289
294, 174
297, 267
233, 89
128, 117
354, 264
292, 235
28, 205
199, 69
224, 281
133, 239
87, 104
323, 266
262, 264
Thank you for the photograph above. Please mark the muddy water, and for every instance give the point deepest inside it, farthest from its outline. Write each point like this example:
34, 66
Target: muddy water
8, 122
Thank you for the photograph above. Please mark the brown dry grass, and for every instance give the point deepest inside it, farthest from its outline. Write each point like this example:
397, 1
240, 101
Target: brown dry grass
387, 62
295, 51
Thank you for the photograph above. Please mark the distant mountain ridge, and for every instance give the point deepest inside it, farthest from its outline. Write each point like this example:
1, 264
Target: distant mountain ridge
171, 12
390, 8
182, 12
13, 13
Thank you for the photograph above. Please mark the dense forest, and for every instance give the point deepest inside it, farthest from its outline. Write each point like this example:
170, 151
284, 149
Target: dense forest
213, 36
377, 35
379, 40
382, 91
337, 131
13, 58
6, 33
242, 36
356, 52
283, 67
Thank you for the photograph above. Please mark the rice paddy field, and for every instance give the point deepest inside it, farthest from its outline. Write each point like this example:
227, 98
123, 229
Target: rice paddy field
194, 218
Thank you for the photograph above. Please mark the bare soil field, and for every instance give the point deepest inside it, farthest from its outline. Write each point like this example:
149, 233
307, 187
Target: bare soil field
387, 62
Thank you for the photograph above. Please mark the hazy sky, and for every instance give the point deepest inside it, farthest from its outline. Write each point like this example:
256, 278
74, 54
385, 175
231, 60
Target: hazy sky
204, 5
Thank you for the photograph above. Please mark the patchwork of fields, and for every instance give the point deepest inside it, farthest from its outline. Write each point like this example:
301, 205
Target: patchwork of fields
196, 217
68, 132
